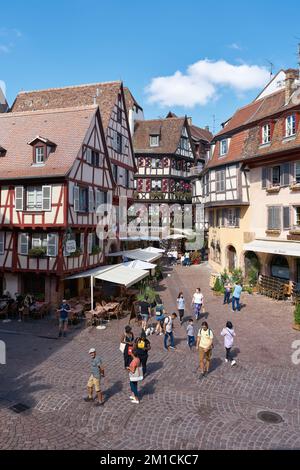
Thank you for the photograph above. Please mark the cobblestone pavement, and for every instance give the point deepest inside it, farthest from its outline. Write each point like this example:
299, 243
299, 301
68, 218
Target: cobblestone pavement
178, 410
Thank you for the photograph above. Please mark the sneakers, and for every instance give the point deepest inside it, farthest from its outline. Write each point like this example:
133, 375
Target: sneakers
233, 363
226, 360
87, 399
172, 347
134, 400
99, 403
165, 349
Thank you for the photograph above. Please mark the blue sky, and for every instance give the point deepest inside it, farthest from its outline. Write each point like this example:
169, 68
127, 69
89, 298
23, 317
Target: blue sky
196, 58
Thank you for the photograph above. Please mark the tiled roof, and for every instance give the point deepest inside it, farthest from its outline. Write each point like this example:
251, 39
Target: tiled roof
168, 129
103, 94
130, 99
199, 133
66, 127
235, 150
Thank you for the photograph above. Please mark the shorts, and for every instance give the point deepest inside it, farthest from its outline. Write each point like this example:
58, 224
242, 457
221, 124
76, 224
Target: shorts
63, 321
94, 382
205, 354
144, 317
160, 317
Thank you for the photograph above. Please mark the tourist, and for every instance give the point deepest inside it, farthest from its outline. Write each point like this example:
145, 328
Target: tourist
227, 291
180, 306
182, 258
190, 334
142, 346
168, 330
238, 287
229, 334
135, 375
187, 260
205, 345
63, 310
97, 372
197, 302
145, 311
127, 339
159, 316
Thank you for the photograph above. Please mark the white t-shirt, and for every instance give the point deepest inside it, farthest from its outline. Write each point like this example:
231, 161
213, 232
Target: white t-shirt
198, 298
169, 324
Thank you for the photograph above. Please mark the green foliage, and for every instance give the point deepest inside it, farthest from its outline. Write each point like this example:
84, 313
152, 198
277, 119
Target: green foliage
75, 253
218, 287
96, 249
237, 276
248, 289
195, 257
253, 276
37, 251
297, 314
224, 276
147, 292
39, 297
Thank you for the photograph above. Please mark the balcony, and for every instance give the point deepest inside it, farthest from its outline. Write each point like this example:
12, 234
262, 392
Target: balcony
273, 232
196, 170
273, 188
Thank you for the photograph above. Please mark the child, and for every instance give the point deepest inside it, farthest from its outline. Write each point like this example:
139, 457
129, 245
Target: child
190, 334
180, 306
229, 334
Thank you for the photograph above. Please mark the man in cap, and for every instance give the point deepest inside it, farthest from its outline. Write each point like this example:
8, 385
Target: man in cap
94, 381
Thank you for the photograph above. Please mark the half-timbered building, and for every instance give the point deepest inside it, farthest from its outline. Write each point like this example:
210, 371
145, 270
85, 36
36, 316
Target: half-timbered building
54, 173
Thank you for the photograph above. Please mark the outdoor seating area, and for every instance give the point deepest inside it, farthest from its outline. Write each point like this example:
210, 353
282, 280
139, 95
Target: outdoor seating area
23, 308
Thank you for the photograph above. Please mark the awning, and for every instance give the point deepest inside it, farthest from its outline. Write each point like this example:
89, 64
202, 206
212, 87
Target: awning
140, 254
137, 264
153, 249
89, 272
122, 275
276, 248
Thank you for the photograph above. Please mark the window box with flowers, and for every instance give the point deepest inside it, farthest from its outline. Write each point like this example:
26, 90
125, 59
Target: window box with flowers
295, 186
273, 232
96, 250
76, 253
274, 188
37, 252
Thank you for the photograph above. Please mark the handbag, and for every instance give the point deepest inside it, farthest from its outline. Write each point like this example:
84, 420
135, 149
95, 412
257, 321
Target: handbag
122, 347
129, 350
137, 375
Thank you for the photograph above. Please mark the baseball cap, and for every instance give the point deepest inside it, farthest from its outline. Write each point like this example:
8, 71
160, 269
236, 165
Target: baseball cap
92, 350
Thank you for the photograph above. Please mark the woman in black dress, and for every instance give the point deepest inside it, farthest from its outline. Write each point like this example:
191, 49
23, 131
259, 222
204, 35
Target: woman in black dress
127, 339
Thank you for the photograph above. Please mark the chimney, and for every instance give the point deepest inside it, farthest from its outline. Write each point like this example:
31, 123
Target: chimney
290, 76
207, 128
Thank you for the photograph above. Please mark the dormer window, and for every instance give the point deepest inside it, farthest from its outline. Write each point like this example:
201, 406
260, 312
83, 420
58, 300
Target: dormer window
266, 134
290, 125
154, 140
39, 155
223, 147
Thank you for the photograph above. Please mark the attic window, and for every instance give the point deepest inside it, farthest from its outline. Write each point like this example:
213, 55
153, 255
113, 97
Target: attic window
154, 140
41, 149
39, 152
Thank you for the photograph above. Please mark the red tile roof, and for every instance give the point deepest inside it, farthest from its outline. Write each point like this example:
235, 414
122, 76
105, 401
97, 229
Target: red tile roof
66, 127
200, 133
235, 150
169, 130
103, 94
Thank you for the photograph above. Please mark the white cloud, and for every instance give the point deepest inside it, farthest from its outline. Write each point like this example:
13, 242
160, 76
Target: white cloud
203, 81
235, 46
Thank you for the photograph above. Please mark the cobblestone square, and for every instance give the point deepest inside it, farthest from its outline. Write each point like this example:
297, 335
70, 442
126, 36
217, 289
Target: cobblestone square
178, 409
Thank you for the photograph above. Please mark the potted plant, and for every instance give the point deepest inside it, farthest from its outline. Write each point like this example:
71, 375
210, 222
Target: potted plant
37, 252
75, 253
218, 287
96, 249
296, 325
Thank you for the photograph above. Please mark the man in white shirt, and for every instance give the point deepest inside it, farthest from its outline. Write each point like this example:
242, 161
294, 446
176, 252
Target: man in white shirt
168, 330
197, 302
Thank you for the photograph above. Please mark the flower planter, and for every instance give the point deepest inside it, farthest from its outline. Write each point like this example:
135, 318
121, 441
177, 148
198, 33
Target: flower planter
296, 326
273, 232
295, 187
273, 189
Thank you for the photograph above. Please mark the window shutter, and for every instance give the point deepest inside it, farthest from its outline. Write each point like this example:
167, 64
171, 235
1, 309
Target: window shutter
76, 198
23, 239
19, 198
114, 142
263, 178
1, 243
46, 204
90, 242
52, 244
270, 218
98, 199
91, 200
82, 242
88, 155
286, 217
237, 216
274, 221
285, 174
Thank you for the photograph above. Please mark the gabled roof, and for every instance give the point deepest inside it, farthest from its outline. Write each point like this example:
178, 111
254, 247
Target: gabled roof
130, 100
66, 127
103, 94
200, 134
39, 138
169, 130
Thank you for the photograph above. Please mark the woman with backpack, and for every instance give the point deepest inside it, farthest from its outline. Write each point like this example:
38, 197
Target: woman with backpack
229, 334
127, 339
141, 347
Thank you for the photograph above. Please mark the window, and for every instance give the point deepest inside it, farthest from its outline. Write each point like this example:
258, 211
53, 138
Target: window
39, 155
83, 200
115, 172
156, 163
211, 218
233, 217
184, 143
154, 140
2, 242
89, 155
290, 125
95, 158
118, 142
266, 134
127, 180
156, 185
39, 240
297, 172
220, 181
276, 175
34, 198
223, 147
297, 216
274, 220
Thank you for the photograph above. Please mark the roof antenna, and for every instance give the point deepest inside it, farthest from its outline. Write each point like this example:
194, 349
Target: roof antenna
271, 66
